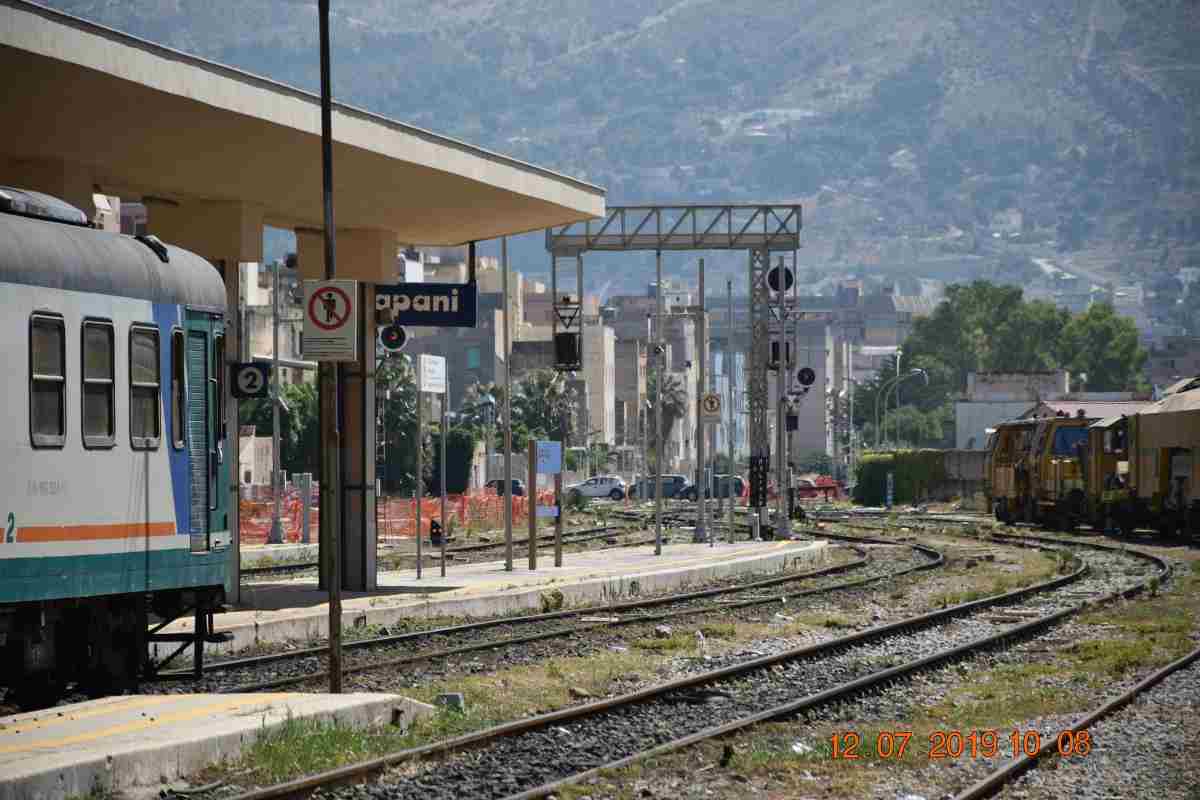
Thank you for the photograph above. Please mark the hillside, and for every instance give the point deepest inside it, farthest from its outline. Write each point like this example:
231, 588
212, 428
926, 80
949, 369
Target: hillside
933, 137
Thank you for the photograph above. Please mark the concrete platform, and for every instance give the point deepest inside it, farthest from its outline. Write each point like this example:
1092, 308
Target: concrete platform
137, 743
292, 609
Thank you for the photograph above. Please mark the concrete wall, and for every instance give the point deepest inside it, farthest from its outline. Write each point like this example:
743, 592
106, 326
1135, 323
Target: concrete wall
972, 419
1011, 386
964, 478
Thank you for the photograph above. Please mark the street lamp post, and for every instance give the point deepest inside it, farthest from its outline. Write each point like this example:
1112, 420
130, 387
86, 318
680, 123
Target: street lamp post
887, 387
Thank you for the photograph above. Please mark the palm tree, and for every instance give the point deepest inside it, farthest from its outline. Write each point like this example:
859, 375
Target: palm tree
674, 400
483, 408
544, 404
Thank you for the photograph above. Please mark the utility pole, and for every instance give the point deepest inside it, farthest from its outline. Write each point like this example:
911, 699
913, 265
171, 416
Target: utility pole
782, 526
658, 382
331, 484
732, 411
276, 534
508, 534
702, 481
419, 490
445, 530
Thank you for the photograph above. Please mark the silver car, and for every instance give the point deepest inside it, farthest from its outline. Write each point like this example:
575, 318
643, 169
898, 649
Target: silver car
609, 486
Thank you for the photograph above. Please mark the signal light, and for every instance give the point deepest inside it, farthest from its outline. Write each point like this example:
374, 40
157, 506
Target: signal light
806, 376
393, 338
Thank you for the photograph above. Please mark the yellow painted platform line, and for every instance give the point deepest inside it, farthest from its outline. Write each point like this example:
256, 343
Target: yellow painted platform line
53, 717
145, 724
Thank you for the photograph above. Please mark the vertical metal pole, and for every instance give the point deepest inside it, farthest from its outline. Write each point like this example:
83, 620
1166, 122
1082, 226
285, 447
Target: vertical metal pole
508, 534
732, 411
331, 527
658, 382
419, 488
782, 526
558, 520
701, 427
276, 534
445, 530
531, 494
899, 354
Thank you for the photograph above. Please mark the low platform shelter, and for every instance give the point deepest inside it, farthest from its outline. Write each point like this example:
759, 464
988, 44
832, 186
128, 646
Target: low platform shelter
216, 153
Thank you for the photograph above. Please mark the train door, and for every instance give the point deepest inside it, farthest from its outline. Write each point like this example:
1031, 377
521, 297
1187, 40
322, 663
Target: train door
207, 503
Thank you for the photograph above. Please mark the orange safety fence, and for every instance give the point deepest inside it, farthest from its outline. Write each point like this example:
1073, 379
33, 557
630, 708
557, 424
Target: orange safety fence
473, 511
254, 517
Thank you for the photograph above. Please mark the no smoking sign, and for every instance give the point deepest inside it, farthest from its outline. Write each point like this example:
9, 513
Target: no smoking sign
331, 320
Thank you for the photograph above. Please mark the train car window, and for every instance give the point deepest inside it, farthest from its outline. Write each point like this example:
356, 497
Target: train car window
144, 422
47, 380
178, 387
99, 391
1068, 441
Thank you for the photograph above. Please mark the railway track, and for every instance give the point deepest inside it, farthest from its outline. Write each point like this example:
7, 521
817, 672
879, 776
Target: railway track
538, 756
304, 666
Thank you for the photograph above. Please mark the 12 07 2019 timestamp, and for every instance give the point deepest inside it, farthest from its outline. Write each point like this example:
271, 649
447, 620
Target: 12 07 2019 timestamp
947, 744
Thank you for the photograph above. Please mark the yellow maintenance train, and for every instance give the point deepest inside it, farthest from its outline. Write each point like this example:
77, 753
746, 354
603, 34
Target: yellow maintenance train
1136, 471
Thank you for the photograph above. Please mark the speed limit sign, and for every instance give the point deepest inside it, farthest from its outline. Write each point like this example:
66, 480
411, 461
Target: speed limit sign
248, 380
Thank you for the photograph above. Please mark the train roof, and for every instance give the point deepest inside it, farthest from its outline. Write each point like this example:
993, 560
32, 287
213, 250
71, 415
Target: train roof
1187, 399
56, 255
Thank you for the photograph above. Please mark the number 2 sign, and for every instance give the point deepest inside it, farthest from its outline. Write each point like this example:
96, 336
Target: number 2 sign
249, 380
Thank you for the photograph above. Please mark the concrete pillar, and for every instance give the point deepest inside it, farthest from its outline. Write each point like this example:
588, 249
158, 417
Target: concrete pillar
368, 256
228, 234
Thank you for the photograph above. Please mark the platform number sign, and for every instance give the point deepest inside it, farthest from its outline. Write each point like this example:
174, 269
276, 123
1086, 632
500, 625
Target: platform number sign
249, 380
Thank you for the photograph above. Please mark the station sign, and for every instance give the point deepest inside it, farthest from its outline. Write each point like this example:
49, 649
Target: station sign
331, 320
430, 305
431, 374
710, 408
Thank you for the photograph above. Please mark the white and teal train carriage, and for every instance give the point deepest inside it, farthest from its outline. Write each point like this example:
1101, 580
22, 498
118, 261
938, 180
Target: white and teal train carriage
114, 486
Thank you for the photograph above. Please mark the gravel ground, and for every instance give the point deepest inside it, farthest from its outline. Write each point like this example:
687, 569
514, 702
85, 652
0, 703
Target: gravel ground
513, 764
1150, 748
576, 643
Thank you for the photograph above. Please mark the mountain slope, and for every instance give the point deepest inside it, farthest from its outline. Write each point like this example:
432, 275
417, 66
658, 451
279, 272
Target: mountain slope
955, 136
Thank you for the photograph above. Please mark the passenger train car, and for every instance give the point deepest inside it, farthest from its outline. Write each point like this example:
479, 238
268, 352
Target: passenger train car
115, 488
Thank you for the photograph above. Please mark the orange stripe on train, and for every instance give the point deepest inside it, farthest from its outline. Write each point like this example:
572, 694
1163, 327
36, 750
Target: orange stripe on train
76, 533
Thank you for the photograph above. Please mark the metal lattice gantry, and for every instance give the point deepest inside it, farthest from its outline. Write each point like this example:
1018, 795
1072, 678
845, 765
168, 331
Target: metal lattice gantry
731, 226
760, 228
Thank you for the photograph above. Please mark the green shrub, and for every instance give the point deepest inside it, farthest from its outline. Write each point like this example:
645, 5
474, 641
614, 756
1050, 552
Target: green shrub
917, 473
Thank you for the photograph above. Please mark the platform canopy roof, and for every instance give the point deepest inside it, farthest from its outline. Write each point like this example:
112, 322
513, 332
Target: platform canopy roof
146, 120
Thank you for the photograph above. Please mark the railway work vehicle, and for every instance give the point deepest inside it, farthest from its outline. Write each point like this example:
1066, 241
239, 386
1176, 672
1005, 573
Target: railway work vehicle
1135, 471
116, 486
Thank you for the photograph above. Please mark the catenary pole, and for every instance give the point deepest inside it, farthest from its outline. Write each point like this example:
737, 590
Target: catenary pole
330, 385
658, 382
276, 534
703, 482
445, 530
508, 533
419, 489
732, 410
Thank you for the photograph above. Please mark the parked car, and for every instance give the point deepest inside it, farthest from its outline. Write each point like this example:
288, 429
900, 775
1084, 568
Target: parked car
609, 486
673, 485
497, 485
721, 487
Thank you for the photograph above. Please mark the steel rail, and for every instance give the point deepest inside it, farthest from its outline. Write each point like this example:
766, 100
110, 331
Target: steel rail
379, 641
997, 780
302, 786
885, 676
587, 628
936, 561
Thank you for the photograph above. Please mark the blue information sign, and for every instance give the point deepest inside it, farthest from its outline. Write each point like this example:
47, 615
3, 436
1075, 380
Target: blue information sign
549, 457
430, 305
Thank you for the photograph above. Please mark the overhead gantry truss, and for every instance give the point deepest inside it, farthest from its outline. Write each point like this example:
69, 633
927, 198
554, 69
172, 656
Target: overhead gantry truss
738, 226
760, 228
